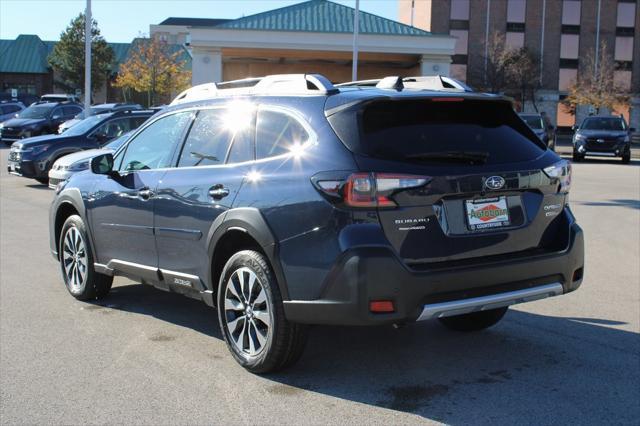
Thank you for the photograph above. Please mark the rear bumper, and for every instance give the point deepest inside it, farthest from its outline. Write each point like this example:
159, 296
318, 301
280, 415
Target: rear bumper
368, 274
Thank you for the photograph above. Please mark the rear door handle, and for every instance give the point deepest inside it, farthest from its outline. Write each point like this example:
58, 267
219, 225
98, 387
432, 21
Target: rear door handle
145, 193
218, 192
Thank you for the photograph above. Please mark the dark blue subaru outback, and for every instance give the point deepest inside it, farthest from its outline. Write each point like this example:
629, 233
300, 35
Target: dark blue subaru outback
286, 201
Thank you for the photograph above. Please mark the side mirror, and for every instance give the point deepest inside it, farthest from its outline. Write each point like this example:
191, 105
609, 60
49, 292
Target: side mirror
574, 127
56, 117
101, 137
102, 164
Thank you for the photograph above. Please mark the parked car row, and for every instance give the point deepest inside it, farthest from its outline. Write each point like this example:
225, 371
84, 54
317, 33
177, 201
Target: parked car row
34, 157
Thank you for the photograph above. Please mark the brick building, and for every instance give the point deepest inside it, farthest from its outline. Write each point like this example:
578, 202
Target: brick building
559, 32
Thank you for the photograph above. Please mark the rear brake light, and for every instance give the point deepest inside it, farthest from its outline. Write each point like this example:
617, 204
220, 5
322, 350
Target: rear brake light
561, 171
371, 190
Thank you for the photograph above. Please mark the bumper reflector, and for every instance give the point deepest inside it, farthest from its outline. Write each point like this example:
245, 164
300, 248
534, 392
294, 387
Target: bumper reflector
381, 306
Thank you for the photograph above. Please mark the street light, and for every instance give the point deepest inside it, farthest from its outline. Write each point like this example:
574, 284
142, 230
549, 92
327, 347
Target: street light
87, 56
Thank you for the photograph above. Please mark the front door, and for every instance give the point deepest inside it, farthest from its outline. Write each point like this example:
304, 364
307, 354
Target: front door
210, 169
121, 206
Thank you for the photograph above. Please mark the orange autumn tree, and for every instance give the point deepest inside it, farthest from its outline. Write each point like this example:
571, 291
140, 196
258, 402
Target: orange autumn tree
155, 68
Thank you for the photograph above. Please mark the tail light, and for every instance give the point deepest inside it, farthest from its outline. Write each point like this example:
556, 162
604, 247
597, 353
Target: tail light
370, 190
561, 171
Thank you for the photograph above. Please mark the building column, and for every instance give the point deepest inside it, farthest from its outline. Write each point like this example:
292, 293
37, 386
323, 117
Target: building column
634, 114
206, 65
435, 65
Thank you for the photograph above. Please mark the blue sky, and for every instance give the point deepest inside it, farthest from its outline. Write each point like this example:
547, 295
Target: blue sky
122, 20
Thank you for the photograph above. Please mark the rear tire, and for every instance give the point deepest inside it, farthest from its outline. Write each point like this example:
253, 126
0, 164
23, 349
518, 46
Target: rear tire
251, 316
474, 321
44, 181
76, 262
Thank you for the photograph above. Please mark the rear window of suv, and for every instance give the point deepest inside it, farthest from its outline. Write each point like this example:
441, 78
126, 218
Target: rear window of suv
425, 130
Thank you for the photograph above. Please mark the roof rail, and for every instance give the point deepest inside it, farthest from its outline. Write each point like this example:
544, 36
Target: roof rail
269, 85
431, 82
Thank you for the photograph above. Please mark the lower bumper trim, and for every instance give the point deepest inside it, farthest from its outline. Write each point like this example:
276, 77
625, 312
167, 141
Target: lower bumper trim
600, 154
483, 303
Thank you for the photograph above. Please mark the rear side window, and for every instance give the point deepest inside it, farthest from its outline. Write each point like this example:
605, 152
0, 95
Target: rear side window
420, 130
277, 132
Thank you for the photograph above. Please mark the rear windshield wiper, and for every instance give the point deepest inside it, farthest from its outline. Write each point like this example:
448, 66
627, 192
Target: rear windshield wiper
472, 157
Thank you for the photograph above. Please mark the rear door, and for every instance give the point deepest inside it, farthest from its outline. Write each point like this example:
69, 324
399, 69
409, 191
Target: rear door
121, 206
486, 195
210, 168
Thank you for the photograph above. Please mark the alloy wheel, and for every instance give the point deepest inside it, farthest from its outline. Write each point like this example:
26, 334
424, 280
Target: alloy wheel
74, 259
246, 312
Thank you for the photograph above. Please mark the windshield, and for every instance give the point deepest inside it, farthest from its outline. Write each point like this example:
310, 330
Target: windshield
117, 142
36, 111
84, 126
533, 121
426, 130
604, 123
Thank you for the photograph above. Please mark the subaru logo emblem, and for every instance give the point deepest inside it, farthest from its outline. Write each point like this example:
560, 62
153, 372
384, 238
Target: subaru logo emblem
494, 182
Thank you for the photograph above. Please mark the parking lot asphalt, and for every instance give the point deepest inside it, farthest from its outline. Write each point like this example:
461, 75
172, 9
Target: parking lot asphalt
147, 357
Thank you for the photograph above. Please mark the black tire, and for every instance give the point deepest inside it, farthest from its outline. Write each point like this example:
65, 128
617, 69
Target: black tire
284, 342
44, 181
577, 157
626, 157
474, 321
92, 285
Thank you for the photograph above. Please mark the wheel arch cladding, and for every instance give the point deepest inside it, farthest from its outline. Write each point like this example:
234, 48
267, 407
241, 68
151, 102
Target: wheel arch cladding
240, 229
68, 203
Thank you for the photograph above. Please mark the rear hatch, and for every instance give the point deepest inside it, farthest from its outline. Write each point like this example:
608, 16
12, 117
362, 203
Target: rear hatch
458, 179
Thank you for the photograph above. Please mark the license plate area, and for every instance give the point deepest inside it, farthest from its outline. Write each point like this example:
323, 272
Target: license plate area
487, 213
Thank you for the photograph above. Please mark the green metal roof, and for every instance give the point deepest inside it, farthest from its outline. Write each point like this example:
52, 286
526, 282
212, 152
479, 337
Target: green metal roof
321, 16
28, 54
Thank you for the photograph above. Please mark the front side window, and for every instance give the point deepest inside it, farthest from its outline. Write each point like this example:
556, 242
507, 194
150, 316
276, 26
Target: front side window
35, 111
153, 147
278, 133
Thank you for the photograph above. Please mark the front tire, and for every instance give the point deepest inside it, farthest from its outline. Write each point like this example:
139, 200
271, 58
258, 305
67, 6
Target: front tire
251, 316
626, 157
76, 262
474, 321
44, 181
577, 157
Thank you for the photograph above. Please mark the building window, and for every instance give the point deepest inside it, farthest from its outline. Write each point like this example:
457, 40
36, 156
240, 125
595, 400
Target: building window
461, 42
571, 12
459, 71
514, 40
624, 49
569, 44
516, 10
626, 15
460, 10
566, 78
459, 59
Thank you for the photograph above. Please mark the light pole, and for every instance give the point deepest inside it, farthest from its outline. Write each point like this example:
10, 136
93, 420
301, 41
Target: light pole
354, 60
87, 56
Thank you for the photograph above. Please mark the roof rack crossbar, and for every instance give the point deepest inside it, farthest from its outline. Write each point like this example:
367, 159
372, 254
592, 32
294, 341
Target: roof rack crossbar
431, 82
272, 85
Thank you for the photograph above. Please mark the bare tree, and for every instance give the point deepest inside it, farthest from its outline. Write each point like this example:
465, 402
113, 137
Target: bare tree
523, 74
595, 85
495, 79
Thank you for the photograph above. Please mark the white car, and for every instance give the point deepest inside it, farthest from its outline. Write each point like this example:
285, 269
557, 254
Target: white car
66, 166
